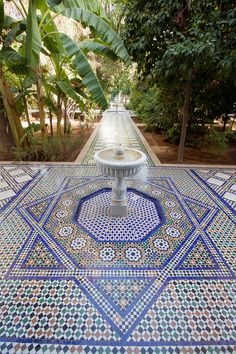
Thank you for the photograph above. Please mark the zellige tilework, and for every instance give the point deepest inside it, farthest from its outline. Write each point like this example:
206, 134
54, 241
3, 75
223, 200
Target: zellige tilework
75, 280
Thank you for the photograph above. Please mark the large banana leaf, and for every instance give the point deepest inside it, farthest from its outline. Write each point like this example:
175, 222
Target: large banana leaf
17, 29
33, 39
8, 21
1, 16
49, 88
11, 57
53, 44
84, 70
91, 5
98, 47
69, 91
102, 28
14, 61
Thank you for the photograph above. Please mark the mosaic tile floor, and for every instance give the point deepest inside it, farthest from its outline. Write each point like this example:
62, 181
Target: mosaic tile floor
75, 280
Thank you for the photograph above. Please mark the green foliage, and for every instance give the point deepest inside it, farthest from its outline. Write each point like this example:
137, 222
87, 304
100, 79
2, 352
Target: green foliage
84, 69
33, 37
151, 106
216, 141
53, 149
168, 40
91, 5
114, 77
102, 28
28, 133
97, 47
175, 43
70, 92
1, 15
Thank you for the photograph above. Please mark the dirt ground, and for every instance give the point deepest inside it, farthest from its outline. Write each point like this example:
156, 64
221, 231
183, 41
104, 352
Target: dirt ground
167, 153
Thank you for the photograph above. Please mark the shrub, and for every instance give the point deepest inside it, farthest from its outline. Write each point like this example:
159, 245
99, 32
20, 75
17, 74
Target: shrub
217, 141
150, 105
49, 149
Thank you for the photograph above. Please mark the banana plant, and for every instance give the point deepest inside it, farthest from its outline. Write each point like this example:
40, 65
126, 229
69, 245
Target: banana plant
10, 57
40, 35
90, 14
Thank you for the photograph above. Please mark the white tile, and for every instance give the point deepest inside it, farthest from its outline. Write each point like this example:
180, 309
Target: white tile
222, 175
8, 168
24, 178
7, 194
233, 187
3, 184
16, 172
204, 171
215, 181
230, 196
232, 171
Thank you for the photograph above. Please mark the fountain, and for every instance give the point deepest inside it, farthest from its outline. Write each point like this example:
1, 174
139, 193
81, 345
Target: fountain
119, 163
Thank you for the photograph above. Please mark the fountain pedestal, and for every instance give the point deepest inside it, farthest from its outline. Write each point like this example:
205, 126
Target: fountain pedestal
119, 199
119, 163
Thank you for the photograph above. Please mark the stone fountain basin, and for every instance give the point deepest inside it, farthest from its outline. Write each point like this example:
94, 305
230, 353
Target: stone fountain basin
125, 165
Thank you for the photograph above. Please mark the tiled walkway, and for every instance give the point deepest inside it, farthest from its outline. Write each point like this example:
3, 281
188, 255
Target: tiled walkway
74, 280
117, 128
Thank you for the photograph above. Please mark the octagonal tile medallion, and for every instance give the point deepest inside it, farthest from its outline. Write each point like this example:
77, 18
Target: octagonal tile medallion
145, 216
157, 225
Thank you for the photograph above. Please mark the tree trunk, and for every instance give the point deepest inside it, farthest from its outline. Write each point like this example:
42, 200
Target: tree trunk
65, 116
186, 115
59, 113
26, 110
50, 119
11, 111
7, 140
225, 120
40, 102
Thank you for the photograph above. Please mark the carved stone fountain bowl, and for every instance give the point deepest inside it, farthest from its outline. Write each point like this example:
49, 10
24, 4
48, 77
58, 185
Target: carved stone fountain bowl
127, 164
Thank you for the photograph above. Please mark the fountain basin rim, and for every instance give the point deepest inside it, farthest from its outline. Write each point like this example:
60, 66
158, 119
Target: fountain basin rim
119, 164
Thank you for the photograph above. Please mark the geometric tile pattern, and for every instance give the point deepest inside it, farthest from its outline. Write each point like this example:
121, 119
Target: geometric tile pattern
122, 293
190, 309
198, 257
161, 281
38, 211
13, 178
222, 183
144, 217
125, 246
197, 208
41, 256
64, 291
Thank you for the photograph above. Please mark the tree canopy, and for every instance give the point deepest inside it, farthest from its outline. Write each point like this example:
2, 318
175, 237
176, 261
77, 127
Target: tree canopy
186, 44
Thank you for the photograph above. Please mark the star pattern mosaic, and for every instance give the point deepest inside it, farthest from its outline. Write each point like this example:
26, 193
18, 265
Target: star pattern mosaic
70, 284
